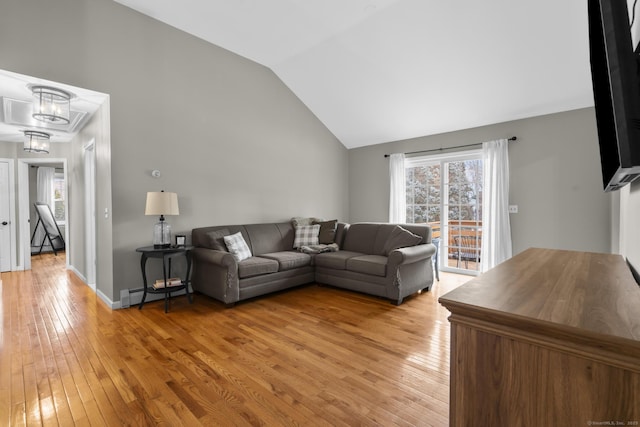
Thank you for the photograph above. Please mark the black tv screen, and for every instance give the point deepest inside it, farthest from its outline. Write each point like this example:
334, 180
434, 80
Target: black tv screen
615, 74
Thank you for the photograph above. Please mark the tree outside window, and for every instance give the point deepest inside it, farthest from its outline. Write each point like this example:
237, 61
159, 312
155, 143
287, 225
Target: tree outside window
423, 193
59, 197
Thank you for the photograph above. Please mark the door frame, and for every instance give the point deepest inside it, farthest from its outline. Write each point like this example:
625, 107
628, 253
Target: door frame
90, 220
12, 213
24, 256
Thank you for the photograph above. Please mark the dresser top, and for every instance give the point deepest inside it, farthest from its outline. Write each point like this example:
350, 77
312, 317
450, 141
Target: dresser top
589, 296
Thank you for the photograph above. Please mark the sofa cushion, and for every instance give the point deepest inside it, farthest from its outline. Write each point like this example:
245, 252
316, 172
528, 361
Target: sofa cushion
361, 238
216, 239
327, 233
288, 260
400, 238
267, 238
306, 235
256, 266
237, 246
335, 260
368, 264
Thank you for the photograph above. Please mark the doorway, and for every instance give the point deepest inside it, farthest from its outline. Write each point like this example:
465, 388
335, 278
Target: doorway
445, 191
28, 196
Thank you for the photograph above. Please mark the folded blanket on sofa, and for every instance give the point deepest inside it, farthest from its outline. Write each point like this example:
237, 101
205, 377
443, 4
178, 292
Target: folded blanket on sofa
316, 249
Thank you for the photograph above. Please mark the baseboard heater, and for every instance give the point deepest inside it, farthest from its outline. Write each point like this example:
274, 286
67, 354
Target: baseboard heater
127, 300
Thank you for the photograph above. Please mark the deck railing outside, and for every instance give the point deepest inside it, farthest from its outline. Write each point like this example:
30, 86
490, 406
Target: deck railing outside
463, 244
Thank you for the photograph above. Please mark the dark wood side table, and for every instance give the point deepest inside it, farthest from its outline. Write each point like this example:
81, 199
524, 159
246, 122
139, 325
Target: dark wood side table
166, 254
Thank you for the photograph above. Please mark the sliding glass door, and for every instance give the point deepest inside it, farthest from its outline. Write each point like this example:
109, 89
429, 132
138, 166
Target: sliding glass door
445, 192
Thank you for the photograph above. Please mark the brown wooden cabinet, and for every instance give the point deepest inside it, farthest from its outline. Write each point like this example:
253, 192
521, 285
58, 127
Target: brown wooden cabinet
549, 337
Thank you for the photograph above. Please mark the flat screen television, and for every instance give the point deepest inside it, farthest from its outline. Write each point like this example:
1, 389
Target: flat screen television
615, 74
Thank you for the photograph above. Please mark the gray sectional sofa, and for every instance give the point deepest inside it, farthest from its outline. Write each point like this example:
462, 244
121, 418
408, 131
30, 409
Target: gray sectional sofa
368, 261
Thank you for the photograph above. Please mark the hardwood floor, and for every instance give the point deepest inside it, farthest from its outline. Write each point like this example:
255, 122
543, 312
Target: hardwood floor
309, 356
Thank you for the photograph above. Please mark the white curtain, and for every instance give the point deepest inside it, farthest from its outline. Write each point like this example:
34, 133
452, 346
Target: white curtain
44, 194
397, 193
496, 228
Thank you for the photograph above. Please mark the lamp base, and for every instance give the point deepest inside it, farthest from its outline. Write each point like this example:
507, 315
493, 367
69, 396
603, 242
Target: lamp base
161, 234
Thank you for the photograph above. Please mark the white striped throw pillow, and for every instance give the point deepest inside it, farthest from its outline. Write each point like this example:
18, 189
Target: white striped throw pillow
237, 246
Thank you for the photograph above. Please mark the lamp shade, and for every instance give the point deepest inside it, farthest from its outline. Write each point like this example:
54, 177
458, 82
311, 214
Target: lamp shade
161, 203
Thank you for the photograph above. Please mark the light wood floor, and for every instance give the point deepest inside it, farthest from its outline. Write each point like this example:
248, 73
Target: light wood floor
309, 356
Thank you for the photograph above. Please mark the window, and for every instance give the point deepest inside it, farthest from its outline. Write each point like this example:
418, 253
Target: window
446, 192
59, 196
423, 193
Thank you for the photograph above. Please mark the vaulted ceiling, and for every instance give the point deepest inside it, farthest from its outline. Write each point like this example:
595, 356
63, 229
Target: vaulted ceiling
383, 70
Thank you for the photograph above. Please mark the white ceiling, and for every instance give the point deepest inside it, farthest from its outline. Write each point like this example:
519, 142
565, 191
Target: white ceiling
14, 88
383, 70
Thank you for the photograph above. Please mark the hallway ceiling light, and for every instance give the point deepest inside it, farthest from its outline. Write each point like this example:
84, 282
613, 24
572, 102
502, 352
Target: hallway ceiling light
51, 105
36, 142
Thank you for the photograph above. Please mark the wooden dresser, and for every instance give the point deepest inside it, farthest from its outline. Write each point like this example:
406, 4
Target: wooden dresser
548, 338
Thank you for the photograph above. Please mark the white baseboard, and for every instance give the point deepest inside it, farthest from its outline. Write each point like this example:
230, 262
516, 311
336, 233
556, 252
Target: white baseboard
81, 276
134, 295
106, 300
92, 286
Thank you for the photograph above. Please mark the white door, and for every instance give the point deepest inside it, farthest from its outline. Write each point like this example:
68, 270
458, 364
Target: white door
5, 215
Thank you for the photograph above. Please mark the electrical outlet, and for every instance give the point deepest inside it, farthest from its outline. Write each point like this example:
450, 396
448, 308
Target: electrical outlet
513, 208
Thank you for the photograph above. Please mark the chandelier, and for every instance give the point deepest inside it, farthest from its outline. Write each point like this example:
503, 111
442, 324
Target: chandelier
51, 105
36, 142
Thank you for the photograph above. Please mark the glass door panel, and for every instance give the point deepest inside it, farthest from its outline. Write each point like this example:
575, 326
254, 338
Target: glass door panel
462, 209
446, 193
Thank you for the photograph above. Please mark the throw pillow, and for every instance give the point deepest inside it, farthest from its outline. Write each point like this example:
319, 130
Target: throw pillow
237, 246
327, 231
299, 221
306, 235
216, 239
400, 238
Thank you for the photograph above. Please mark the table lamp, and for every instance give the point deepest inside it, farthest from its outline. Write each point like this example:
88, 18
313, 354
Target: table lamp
162, 203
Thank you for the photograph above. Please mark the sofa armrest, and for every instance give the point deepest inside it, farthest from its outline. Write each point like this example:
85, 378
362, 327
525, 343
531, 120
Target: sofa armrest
215, 273
411, 254
221, 258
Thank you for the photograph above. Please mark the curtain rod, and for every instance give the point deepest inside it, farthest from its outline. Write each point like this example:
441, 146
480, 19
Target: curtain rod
513, 138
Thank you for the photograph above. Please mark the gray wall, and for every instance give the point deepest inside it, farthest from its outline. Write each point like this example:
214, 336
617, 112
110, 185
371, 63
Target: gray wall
98, 130
554, 179
229, 137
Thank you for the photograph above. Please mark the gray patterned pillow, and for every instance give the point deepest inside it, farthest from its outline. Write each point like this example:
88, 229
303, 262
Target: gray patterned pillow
237, 246
306, 235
